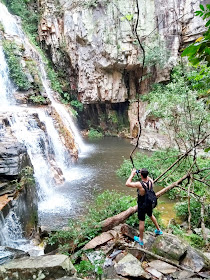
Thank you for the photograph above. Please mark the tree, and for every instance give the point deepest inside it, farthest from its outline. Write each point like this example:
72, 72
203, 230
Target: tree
199, 51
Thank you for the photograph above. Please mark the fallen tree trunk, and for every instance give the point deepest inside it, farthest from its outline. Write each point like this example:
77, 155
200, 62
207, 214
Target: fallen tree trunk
111, 222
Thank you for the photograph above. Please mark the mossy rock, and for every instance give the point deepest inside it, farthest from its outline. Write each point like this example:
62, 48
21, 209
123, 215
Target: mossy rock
169, 246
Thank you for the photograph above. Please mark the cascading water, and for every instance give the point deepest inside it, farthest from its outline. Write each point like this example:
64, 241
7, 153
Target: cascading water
48, 155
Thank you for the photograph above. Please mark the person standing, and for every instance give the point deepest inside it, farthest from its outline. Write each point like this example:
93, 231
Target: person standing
143, 209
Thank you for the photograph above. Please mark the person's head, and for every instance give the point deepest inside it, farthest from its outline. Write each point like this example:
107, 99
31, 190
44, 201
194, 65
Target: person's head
144, 173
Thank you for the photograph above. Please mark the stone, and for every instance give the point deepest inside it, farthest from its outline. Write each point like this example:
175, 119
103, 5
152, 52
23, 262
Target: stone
182, 274
69, 278
196, 260
169, 246
42, 267
130, 266
154, 272
163, 267
98, 240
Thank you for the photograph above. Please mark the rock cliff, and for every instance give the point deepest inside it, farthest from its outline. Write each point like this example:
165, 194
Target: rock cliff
104, 60
97, 36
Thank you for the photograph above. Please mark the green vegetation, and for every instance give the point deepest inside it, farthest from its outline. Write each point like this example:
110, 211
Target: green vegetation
17, 74
28, 16
77, 105
37, 99
94, 134
195, 208
199, 51
26, 178
193, 239
31, 66
105, 205
158, 162
180, 105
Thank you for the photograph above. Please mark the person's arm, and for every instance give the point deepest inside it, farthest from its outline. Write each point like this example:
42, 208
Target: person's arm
131, 184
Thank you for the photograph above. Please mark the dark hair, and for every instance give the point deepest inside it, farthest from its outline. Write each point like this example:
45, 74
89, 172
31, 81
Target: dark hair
144, 172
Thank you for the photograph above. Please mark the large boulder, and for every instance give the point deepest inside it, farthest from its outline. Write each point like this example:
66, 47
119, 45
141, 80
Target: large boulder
169, 246
196, 260
42, 267
130, 266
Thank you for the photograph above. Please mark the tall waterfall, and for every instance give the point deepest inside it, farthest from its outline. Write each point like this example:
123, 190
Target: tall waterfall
35, 128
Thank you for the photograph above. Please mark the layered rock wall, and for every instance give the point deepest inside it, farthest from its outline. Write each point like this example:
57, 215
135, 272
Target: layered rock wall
98, 39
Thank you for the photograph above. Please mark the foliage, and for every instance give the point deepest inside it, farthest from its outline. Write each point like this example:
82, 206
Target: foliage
77, 105
85, 268
179, 105
37, 99
158, 162
31, 65
195, 208
156, 52
26, 178
29, 18
94, 134
17, 74
200, 50
194, 239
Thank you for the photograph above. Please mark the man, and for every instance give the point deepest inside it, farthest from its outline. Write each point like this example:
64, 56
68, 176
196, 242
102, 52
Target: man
142, 209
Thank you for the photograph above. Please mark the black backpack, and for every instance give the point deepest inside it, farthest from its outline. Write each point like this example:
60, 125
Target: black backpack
150, 196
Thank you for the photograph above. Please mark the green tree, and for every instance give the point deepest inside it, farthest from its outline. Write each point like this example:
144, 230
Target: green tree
200, 50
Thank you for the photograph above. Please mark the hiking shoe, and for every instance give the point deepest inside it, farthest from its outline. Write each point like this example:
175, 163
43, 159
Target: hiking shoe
137, 239
158, 232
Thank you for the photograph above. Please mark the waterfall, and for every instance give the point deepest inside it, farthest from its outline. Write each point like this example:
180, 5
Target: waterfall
35, 128
7, 88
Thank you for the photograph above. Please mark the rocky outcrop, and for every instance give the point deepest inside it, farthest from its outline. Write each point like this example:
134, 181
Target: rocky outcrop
98, 39
13, 155
43, 267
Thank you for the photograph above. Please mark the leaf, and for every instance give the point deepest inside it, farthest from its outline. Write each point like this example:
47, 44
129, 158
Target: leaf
208, 23
208, 6
199, 39
207, 150
202, 7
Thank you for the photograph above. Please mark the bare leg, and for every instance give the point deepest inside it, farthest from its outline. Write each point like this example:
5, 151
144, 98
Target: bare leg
154, 221
141, 229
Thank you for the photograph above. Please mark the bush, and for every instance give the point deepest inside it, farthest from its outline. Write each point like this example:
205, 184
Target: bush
77, 105
158, 162
37, 99
195, 208
94, 134
16, 72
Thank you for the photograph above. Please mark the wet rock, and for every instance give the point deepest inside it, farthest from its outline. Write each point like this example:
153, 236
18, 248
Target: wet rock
130, 266
163, 267
196, 260
43, 267
169, 246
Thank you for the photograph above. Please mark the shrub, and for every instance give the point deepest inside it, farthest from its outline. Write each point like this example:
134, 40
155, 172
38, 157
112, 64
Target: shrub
37, 99
195, 207
16, 72
94, 134
77, 105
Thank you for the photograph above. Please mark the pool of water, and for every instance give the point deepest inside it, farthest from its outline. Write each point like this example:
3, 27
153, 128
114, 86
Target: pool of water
93, 173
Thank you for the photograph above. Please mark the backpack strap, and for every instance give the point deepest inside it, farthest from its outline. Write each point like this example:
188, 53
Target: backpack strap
146, 188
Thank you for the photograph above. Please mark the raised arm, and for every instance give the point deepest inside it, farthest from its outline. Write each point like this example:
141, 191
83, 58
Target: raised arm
131, 184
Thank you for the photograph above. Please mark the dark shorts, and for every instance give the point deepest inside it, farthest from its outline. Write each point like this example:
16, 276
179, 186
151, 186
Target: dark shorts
142, 211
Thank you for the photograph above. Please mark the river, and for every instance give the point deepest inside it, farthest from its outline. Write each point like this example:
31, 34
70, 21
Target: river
93, 173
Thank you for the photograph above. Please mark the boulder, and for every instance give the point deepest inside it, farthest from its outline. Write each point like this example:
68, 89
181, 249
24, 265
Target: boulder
169, 246
42, 267
196, 260
163, 267
130, 266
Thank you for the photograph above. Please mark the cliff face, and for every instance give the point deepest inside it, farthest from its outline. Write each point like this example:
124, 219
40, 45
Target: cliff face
97, 35
104, 61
